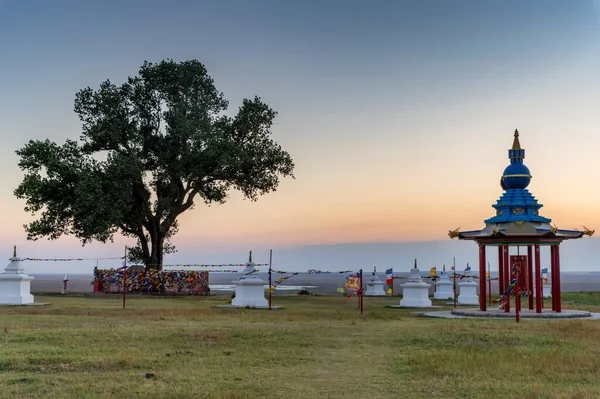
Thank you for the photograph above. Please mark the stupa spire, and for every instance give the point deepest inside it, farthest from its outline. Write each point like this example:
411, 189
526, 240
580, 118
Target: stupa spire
15, 251
516, 143
250, 257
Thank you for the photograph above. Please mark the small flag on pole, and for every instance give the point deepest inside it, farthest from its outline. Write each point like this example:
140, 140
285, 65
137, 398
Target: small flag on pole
545, 275
389, 280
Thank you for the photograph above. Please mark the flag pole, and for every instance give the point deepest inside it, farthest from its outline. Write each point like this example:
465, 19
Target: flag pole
454, 279
270, 279
360, 292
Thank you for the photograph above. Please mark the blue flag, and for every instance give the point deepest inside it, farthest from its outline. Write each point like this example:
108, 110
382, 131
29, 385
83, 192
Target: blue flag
545, 271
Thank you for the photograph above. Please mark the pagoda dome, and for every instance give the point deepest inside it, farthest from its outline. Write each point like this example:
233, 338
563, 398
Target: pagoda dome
516, 176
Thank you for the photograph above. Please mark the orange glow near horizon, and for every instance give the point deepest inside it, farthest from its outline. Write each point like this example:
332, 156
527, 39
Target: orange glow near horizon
312, 211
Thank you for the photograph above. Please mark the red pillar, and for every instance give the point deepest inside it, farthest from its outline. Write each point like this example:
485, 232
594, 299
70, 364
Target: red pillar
557, 267
507, 277
482, 285
552, 273
530, 275
500, 270
538, 280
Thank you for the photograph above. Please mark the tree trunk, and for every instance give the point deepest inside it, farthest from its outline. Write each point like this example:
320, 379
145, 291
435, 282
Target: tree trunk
155, 260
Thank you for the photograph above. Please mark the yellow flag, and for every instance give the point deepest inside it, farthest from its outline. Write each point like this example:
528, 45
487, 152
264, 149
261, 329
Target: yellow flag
433, 272
353, 283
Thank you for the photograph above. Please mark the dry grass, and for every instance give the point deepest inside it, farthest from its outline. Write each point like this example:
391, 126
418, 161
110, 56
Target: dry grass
318, 347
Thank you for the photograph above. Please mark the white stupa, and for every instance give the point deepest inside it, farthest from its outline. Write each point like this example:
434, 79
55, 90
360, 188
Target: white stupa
15, 286
444, 287
375, 286
415, 292
249, 289
468, 289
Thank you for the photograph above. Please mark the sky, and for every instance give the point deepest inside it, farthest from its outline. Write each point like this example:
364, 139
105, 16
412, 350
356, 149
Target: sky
398, 115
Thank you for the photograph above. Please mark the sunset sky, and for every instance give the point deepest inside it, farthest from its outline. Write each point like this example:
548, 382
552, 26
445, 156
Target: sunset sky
398, 114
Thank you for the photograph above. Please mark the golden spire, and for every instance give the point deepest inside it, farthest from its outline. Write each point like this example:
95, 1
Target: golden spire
15, 252
250, 257
516, 144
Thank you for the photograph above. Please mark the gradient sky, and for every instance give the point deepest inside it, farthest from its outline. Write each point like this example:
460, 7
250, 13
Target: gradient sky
398, 114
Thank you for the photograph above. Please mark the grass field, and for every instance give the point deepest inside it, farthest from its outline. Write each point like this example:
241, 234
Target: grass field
317, 347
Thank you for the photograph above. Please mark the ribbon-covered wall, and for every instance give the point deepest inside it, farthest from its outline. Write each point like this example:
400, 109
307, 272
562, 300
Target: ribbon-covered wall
173, 281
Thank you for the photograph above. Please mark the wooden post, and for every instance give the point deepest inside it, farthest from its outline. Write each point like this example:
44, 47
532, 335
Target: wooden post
360, 292
454, 276
270, 277
125, 277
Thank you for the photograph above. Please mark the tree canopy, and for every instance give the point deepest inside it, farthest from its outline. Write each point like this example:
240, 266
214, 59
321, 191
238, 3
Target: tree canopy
149, 149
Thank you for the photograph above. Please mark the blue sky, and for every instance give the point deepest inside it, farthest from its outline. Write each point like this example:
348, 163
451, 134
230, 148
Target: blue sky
397, 113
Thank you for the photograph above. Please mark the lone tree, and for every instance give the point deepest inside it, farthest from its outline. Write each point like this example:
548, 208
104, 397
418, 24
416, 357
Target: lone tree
149, 149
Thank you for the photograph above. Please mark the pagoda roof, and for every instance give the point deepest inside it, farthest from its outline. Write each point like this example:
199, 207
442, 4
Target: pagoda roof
517, 205
518, 231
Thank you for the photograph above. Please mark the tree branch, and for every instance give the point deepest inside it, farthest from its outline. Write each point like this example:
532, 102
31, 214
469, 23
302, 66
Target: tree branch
178, 210
129, 230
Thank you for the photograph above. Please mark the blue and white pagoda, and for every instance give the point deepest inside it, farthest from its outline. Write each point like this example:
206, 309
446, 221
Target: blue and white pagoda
518, 223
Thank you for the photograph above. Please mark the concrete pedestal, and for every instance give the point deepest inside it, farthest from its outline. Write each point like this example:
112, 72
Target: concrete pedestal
375, 287
250, 292
444, 288
468, 292
546, 291
15, 286
415, 292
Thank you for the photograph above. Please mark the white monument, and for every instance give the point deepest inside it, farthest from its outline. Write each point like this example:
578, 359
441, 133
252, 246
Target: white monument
15, 286
415, 292
546, 291
468, 290
444, 287
249, 290
375, 286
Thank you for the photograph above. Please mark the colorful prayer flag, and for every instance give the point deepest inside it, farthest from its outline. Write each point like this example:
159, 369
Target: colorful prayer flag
353, 282
389, 280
